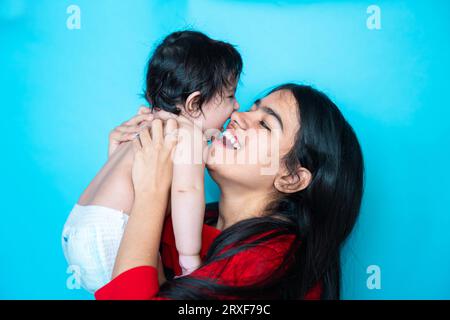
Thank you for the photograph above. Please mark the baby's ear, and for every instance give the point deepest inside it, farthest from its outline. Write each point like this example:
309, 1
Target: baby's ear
192, 104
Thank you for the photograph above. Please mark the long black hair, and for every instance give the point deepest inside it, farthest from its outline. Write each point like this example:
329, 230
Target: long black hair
321, 216
189, 61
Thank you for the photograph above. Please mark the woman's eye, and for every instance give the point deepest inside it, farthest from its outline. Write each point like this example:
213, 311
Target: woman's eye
264, 125
231, 97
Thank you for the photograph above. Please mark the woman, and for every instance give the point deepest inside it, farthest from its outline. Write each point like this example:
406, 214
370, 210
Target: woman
277, 236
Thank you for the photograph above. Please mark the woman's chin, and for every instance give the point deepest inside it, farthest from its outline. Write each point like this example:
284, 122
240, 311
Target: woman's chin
221, 157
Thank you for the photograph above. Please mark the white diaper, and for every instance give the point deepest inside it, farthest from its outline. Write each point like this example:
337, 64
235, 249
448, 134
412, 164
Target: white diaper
90, 240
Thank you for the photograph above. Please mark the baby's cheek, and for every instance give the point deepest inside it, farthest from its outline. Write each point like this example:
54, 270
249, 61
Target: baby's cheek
224, 115
230, 110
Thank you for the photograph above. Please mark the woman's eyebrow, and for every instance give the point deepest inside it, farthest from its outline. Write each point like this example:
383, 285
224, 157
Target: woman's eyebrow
269, 111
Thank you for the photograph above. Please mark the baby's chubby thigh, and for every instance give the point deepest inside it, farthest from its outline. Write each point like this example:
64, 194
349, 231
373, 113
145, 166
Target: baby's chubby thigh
113, 187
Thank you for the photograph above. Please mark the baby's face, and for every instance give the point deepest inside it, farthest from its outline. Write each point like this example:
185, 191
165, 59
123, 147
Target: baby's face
218, 109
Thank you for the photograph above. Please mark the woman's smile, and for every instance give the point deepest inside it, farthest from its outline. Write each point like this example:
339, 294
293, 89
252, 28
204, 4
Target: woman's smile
228, 139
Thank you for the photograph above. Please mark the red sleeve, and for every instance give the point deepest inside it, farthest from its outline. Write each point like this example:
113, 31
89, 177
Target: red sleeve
140, 283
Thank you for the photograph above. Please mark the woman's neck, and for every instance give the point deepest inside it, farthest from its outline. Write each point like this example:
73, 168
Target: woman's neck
236, 205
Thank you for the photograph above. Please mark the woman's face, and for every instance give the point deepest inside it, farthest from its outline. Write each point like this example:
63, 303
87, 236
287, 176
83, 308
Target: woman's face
261, 136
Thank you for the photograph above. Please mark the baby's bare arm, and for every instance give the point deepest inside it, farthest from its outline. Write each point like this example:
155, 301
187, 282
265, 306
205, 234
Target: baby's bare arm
188, 200
188, 208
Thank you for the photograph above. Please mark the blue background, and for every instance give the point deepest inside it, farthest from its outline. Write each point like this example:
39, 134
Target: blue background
62, 91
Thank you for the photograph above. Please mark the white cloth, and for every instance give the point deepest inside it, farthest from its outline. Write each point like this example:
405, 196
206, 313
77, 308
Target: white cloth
90, 239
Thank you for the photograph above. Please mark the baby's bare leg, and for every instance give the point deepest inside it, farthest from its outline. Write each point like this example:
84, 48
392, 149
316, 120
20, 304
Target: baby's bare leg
112, 187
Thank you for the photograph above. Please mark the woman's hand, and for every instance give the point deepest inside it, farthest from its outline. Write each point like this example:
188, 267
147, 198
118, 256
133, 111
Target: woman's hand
153, 160
127, 130
152, 176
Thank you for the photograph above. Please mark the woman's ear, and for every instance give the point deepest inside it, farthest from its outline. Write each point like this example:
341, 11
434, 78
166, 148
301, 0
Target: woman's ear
293, 182
192, 104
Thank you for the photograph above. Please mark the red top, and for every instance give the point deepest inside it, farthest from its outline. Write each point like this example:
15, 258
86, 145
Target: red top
243, 268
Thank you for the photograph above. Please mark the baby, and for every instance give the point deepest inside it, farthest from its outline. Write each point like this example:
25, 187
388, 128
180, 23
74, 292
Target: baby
193, 78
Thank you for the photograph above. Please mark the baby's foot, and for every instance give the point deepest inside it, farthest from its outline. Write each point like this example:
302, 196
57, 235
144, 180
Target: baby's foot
189, 263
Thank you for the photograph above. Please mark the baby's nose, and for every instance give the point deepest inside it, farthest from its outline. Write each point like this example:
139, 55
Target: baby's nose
236, 106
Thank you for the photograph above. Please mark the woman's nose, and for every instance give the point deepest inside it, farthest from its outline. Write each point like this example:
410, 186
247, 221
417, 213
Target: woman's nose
238, 119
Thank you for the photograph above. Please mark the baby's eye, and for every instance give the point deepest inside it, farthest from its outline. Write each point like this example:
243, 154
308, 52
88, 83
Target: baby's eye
231, 97
264, 125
